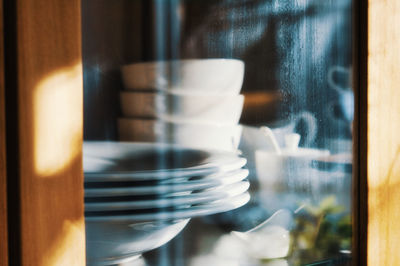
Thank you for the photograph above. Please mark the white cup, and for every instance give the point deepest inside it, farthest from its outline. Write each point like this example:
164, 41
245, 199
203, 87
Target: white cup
345, 101
311, 128
195, 135
292, 167
218, 109
217, 76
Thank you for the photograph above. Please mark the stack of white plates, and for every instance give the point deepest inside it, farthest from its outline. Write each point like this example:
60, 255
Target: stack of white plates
138, 196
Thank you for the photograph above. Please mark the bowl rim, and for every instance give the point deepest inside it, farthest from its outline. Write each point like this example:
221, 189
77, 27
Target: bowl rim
184, 61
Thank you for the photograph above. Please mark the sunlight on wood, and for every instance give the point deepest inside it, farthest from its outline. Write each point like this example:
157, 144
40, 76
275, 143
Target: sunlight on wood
383, 132
58, 120
71, 238
383, 217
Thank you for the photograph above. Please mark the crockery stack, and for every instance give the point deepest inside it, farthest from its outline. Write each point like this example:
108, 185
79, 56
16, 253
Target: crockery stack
194, 103
138, 196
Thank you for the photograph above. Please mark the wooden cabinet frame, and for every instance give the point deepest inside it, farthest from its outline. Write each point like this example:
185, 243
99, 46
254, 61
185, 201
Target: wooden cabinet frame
378, 134
3, 171
41, 63
44, 125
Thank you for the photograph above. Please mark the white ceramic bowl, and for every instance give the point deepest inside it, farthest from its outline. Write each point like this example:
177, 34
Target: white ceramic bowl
207, 108
199, 75
193, 135
113, 239
110, 243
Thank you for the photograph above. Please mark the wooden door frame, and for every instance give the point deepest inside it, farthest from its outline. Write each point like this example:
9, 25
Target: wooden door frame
376, 195
43, 86
379, 154
3, 163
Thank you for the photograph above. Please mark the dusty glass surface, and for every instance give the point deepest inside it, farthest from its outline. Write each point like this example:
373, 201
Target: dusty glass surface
264, 80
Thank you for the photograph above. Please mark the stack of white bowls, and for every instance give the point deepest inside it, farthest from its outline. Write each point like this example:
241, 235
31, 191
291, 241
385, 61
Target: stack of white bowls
194, 103
138, 196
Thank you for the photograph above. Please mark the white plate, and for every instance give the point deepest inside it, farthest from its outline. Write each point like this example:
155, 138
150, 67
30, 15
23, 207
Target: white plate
218, 193
212, 179
163, 176
194, 211
187, 186
105, 161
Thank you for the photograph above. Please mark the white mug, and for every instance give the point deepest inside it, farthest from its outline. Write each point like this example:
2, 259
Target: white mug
310, 132
345, 102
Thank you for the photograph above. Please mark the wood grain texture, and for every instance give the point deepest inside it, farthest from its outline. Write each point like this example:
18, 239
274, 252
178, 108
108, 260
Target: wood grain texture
3, 173
50, 111
383, 132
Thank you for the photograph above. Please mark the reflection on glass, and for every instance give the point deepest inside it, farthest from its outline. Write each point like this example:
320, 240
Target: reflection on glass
264, 80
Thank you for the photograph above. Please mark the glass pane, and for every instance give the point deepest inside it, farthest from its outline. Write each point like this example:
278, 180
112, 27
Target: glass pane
218, 132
